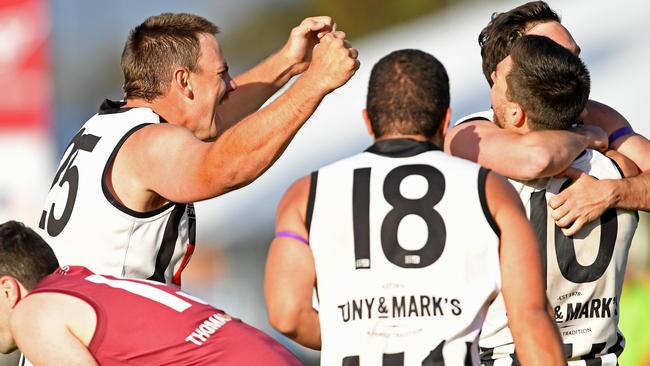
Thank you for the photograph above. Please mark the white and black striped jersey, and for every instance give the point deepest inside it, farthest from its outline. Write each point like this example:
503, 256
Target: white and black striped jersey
584, 273
86, 225
406, 256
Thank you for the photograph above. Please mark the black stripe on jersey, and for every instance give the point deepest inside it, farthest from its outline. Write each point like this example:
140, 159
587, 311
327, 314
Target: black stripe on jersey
110, 106
486, 356
107, 192
539, 218
350, 361
435, 357
313, 181
401, 148
393, 359
168, 244
482, 176
468, 355
617, 348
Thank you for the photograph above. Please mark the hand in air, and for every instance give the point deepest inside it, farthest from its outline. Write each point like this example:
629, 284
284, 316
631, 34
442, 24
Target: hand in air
334, 61
585, 200
304, 37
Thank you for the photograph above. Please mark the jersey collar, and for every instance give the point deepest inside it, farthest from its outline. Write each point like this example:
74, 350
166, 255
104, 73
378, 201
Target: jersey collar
401, 148
110, 106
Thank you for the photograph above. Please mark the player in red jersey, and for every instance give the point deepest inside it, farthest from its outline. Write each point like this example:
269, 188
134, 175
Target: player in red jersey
72, 316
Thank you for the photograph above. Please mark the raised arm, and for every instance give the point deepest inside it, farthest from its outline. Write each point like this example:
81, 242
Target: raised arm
171, 162
520, 156
54, 329
257, 85
290, 274
522, 280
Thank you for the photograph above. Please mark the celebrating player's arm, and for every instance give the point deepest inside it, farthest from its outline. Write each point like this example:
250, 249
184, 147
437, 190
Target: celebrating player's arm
523, 157
290, 275
153, 158
587, 198
522, 279
51, 328
257, 85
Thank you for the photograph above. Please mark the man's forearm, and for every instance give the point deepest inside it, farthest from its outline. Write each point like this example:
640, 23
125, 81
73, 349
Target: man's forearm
631, 193
541, 346
245, 151
561, 148
255, 87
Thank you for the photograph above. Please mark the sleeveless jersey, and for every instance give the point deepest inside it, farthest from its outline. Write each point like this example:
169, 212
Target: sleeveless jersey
406, 256
86, 225
148, 323
584, 273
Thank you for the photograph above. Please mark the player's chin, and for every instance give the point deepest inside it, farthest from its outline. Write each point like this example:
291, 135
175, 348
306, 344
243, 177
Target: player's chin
6, 348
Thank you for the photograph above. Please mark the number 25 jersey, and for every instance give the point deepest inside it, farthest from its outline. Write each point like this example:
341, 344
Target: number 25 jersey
85, 224
406, 256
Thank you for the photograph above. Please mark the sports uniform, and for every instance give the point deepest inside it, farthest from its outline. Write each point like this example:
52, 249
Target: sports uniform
87, 225
148, 323
584, 273
402, 277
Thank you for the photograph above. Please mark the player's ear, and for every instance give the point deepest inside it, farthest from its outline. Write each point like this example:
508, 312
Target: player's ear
439, 136
518, 116
10, 291
181, 81
366, 120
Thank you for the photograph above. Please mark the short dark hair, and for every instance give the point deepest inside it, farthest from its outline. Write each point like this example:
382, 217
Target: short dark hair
548, 81
497, 37
24, 255
408, 93
158, 45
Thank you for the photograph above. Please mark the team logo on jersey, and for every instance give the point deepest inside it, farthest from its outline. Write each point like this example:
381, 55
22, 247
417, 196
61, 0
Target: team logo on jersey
385, 307
605, 307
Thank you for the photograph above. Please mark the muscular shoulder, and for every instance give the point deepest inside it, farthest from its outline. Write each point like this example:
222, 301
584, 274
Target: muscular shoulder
605, 117
43, 312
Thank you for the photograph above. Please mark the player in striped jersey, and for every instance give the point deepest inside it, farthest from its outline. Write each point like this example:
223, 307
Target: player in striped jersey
184, 133
72, 316
405, 245
547, 153
543, 86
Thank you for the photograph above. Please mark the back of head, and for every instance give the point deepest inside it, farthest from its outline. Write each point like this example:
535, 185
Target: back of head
497, 37
156, 47
24, 255
408, 94
548, 81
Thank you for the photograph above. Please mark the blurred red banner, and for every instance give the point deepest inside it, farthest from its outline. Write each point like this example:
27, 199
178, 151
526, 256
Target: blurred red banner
24, 65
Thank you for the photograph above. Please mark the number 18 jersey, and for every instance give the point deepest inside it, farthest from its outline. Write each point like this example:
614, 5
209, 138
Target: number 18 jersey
406, 256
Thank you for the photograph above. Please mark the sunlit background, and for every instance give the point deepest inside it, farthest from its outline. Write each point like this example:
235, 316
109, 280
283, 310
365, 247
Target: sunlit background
60, 59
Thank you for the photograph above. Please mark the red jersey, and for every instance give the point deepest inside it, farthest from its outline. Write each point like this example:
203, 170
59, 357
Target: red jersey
141, 322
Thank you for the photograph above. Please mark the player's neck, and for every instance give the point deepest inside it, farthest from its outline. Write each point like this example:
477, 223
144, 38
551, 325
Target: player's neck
395, 136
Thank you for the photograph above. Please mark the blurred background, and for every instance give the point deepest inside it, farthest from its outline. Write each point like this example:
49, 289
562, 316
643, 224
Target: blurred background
60, 59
